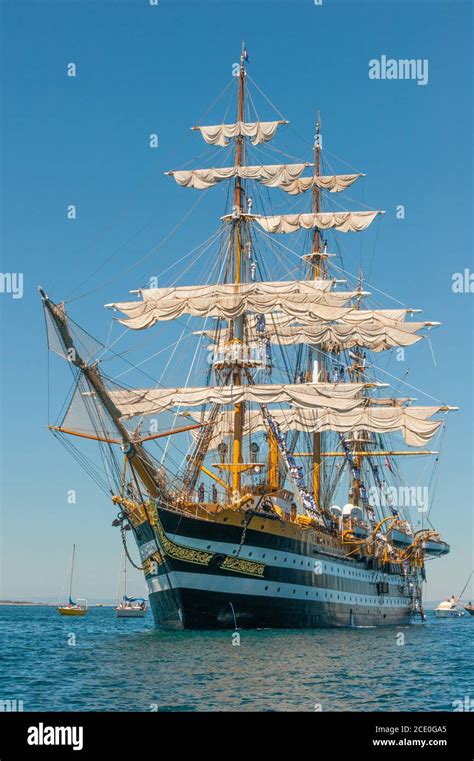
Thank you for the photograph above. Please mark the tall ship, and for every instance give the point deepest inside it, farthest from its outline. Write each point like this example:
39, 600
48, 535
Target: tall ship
260, 488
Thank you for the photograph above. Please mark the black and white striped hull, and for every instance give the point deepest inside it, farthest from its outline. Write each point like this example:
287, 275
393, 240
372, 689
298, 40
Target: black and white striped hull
200, 574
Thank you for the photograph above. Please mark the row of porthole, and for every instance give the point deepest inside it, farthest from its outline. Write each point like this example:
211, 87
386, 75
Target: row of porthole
355, 574
388, 602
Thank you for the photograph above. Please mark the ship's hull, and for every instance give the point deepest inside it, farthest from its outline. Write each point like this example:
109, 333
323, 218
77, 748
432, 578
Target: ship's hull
205, 574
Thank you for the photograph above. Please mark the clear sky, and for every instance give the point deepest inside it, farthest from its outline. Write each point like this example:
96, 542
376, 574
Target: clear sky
83, 140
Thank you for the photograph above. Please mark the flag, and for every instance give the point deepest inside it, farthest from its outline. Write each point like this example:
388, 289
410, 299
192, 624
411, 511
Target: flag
245, 55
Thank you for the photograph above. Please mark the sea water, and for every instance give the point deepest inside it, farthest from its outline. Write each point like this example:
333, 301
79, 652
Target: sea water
102, 663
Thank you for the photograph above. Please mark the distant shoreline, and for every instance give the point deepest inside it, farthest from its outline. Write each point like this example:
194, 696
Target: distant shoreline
429, 605
21, 602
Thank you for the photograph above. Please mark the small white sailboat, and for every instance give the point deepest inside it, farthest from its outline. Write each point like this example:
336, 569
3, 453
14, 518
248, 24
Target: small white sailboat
73, 608
468, 606
449, 609
130, 607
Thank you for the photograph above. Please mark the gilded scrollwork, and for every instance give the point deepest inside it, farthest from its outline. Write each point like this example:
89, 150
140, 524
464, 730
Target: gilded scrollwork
240, 565
191, 555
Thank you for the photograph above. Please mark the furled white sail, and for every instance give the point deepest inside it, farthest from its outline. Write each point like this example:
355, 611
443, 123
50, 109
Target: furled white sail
298, 299
148, 401
274, 321
334, 338
344, 221
219, 134
284, 287
335, 183
413, 422
270, 174
384, 316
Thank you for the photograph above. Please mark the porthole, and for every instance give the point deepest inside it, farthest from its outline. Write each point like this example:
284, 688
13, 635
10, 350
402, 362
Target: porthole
266, 589
278, 589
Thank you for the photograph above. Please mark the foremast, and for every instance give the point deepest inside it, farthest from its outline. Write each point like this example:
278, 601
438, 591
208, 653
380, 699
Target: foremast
239, 321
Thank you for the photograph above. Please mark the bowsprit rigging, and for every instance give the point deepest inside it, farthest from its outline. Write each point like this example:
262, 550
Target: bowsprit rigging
228, 485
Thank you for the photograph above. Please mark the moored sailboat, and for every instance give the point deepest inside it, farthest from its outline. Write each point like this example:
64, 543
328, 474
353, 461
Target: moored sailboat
129, 607
244, 531
74, 607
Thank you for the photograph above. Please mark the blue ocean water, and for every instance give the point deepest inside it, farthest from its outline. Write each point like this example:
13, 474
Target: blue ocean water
100, 663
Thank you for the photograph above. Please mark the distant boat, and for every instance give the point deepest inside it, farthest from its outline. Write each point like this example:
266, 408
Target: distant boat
130, 607
449, 609
78, 608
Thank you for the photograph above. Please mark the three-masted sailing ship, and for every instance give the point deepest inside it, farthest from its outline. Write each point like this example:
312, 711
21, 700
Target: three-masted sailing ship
290, 413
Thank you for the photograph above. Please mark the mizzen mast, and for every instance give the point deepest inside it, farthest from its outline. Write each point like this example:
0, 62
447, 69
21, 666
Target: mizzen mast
317, 272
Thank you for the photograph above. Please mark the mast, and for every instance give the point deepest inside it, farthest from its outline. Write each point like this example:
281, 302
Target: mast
72, 571
316, 267
238, 322
125, 576
358, 370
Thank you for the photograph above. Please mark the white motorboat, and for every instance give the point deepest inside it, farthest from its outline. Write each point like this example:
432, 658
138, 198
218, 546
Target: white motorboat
449, 609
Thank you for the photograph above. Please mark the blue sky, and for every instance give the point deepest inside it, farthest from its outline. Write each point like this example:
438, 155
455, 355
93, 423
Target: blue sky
143, 69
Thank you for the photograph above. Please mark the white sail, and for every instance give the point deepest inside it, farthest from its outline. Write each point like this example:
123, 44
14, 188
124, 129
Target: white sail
284, 287
298, 299
389, 317
412, 422
335, 183
219, 134
334, 338
384, 316
268, 174
149, 401
344, 221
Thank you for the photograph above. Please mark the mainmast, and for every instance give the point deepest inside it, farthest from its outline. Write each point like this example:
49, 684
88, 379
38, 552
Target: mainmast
316, 273
238, 322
